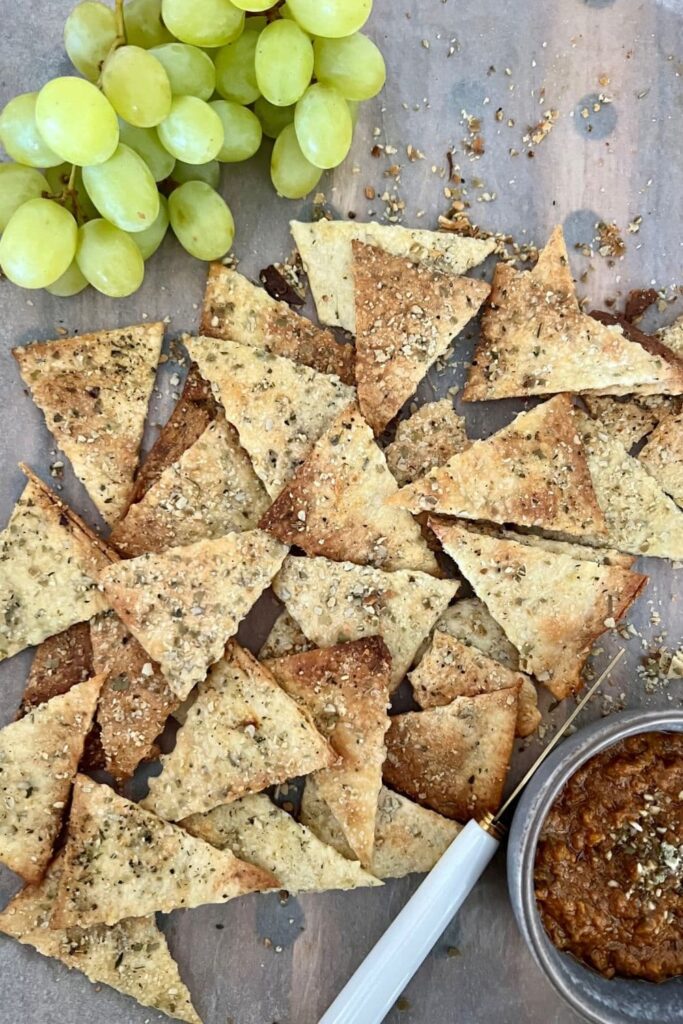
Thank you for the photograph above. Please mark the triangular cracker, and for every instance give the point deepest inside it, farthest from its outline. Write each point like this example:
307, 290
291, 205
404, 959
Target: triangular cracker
39, 757
131, 956
279, 408
48, 566
60, 662
672, 336
325, 248
346, 690
135, 701
258, 831
242, 734
407, 315
536, 340
640, 517
426, 439
185, 604
94, 390
121, 860
336, 504
532, 472
628, 420
662, 456
195, 409
454, 758
470, 621
285, 637
451, 668
237, 309
584, 552
210, 491
408, 838
338, 601
551, 606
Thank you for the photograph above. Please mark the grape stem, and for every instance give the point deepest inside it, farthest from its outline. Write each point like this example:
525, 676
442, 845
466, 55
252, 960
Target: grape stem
120, 39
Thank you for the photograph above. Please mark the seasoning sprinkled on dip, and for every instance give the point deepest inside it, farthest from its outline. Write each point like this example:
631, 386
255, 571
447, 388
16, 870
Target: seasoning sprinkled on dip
609, 863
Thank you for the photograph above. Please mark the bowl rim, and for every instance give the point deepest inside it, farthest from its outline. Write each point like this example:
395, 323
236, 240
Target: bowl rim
530, 814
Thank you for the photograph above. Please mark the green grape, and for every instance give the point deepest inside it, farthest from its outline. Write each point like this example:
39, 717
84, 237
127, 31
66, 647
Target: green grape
353, 65
77, 121
149, 240
283, 62
17, 185
109, 259
89, 34
210, 173
20, 136
255, 24
330, 18
70, 283
192, 132
137, 86
235, 69
323, 126
38, 243
292, 174
242, 131
58, 180
253, 5
201, 220
203, 22
123, 190
144, 27
146, 144
190, 70
273, 119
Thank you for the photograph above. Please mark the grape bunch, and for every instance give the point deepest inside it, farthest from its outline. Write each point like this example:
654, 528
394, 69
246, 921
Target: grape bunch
171, 89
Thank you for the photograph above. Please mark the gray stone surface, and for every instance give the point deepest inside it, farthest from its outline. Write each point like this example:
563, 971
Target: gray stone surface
622, 161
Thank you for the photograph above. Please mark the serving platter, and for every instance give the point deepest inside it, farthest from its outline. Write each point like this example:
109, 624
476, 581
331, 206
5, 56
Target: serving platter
613, 71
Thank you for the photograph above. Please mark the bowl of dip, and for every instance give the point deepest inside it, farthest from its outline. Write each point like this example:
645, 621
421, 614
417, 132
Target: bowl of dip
595, 868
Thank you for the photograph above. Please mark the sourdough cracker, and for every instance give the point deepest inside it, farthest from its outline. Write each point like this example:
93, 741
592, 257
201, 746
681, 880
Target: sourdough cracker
236, 309
641, 519
454, 758
242, 734
121, 860
258, 831
628, 420
451, 668
532, 473
39, 757
135, 700
326, 252
285, 637
278, 407
194, 410
94, 390
407, 315
184, 604
131, 956
536, 340
210, 491
662, 456
48, 567
336, 504
551, 606
427, 438
408, 838
345, 689
335, 602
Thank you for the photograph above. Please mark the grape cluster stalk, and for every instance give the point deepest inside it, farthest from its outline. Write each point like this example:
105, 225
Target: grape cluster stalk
102, 165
